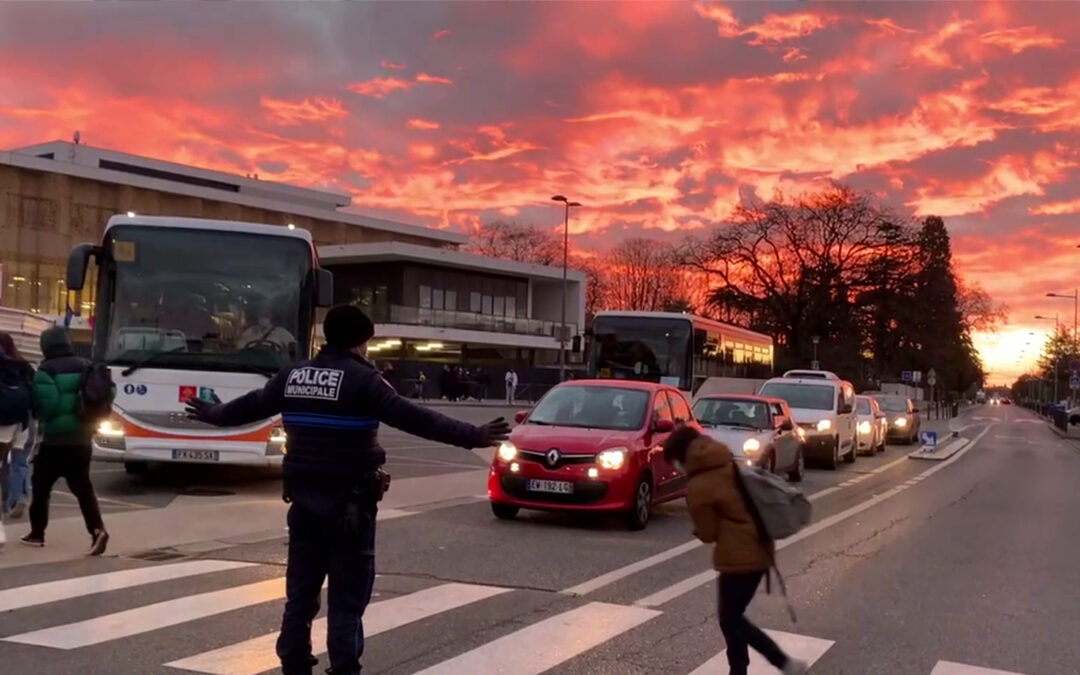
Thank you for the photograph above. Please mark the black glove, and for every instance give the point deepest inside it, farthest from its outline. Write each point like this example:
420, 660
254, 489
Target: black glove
198, 409
495, 431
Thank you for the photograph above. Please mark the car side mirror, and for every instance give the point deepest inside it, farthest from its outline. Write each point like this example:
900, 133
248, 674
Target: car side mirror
663, 426
787, 425
520, 416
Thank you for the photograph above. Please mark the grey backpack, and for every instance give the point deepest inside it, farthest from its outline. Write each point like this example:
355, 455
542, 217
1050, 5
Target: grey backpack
782, 508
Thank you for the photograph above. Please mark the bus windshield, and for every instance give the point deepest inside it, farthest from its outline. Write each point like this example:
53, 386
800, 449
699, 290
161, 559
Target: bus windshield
653, 349
203, 299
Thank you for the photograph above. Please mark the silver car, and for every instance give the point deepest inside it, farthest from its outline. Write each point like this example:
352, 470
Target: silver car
903, 418
872, 425
756, 431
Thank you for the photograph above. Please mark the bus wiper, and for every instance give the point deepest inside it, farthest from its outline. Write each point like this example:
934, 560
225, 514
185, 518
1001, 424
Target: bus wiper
139, 364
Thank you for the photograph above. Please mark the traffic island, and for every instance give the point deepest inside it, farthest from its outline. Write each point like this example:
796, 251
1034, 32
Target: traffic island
939, 452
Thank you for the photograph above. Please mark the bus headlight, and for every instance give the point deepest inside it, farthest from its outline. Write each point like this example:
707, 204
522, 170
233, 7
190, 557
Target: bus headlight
111, 428
613, 458
507, 451
824, 425
864, 427
751, 446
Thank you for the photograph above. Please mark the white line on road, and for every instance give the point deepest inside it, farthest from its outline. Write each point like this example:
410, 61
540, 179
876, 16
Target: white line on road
665, 595
544, 645
66, 589
152, 617
257, 654
950, 668
802, 647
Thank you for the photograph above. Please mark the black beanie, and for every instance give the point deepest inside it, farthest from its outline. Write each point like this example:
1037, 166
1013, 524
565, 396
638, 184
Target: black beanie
346, 326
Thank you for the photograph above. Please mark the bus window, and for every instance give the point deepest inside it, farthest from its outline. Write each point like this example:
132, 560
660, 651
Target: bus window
642, 348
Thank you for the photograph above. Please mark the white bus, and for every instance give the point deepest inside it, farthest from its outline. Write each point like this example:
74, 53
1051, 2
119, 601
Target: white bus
192, 308
682, 350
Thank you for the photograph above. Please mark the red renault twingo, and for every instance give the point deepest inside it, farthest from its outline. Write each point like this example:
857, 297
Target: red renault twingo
591, 445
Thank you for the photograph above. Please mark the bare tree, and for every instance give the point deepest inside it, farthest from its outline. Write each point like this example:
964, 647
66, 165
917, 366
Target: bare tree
514, 241
596, 282
643, 274
979, 311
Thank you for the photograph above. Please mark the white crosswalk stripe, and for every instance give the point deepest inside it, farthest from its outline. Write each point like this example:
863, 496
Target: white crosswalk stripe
801, 647
257, 654
537, 647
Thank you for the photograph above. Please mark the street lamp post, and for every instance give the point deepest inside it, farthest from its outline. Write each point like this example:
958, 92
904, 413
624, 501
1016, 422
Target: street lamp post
565, 255
1075, 297
815, 339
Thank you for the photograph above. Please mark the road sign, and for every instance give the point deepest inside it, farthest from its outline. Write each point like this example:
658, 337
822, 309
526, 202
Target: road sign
906, 376
931, 377
916, 376
928, 440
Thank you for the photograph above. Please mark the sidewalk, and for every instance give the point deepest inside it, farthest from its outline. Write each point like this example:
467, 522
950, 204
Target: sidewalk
200, 524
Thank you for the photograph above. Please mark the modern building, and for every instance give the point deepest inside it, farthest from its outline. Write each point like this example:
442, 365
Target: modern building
443, 305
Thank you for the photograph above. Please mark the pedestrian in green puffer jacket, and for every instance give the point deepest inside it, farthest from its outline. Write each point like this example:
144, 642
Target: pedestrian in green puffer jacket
65, 444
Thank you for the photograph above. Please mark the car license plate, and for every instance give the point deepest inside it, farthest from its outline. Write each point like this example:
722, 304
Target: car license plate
563, 487
196, 455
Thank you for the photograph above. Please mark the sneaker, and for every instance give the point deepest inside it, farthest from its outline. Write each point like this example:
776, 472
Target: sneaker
33, 540
794, 667
19, 509
99, 542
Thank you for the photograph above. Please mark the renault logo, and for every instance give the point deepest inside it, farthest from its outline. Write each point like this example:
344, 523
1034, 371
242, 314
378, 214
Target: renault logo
553, 456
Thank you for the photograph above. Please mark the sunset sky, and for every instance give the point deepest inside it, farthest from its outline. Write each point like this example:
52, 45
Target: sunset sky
659, 117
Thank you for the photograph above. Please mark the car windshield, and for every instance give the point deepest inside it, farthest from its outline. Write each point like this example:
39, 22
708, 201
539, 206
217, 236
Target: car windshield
805, 396
594, 407
863, 406
893, 404
733, 412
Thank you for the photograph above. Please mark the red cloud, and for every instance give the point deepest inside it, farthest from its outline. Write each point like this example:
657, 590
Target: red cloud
379, 87
393, 66
1057, 208
423, 125
1017, 40
773, 28
432, 79
307, 110
441, 34
794, 54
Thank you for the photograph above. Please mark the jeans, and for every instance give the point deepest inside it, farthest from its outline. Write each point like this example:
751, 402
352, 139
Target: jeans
72, 463
735, 591
319, 549
15, 473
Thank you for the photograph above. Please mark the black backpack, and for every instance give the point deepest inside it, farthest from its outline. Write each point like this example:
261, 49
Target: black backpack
96, 393
16, 395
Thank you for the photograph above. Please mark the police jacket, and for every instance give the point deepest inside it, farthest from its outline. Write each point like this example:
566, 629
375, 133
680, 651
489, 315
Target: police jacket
331, 407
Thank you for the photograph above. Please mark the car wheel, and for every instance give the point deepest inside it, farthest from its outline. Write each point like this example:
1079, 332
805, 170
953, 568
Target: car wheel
834, 458
137, 468
796, 474
504, 511
881, 445
853, 453
638, 516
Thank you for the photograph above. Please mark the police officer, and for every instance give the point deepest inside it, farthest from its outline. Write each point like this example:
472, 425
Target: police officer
331, 407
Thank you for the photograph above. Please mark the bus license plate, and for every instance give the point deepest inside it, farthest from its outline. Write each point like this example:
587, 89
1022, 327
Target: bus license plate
196, 455
562, 487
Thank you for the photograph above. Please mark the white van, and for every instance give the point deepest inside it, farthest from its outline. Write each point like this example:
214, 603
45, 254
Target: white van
823, 405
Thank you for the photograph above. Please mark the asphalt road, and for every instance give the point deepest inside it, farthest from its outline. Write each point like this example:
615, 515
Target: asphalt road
909, 566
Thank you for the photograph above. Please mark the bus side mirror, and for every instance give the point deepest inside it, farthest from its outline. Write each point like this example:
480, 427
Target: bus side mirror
78, 261
324, 288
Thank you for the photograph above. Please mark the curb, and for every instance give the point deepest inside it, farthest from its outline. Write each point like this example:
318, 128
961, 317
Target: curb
942, 453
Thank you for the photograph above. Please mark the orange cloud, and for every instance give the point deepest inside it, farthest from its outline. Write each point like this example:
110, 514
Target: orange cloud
379, 87
432, 79
393, 66
774, 28
1017, 40
441, 34
1057, 208
423, 125
307, 110
794, 54
889, 26
424, 151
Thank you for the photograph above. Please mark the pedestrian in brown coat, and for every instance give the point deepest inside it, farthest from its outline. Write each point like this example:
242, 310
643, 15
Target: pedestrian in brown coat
742, 553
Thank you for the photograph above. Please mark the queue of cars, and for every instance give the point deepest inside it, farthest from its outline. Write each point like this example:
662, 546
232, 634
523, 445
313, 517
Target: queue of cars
596, 445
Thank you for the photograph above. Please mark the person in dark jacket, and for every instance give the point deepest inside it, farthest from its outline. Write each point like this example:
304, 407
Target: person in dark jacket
331, 407
65, 439
742, 554
16, 438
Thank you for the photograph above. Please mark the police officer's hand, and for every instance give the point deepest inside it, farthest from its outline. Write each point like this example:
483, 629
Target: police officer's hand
495, 431
199, 409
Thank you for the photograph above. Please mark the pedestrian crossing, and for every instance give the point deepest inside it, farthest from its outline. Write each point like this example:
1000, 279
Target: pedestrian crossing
540, 642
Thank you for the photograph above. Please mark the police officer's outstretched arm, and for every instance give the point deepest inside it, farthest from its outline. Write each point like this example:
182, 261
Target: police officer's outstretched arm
401, 413
253, 406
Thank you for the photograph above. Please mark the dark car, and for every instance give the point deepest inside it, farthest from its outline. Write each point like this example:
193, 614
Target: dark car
902, 417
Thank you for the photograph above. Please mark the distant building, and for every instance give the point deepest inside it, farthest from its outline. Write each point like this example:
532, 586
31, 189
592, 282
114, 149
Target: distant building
431, 302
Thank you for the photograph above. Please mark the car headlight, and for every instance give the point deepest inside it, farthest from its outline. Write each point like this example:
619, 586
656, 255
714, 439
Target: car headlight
751, 445
801, 432
901, 422
507, 451
824, 425
277, 434
613, 458
864, 427
110, 427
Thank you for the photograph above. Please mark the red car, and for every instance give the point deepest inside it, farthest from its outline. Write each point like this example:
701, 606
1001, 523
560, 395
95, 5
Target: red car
591, 445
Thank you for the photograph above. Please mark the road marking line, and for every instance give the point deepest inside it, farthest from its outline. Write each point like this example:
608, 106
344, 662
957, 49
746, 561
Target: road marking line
804, 647
824, 493
950, 668
885, 467
66, 589
152, 617
257, 655
543, 645
665, 595
390, 514
107, 500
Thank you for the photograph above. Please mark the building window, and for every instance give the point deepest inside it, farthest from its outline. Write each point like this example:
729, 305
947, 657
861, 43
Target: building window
451, 300
511, 306
474, 302
500, 305
425, 297
486, 307
438, 298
